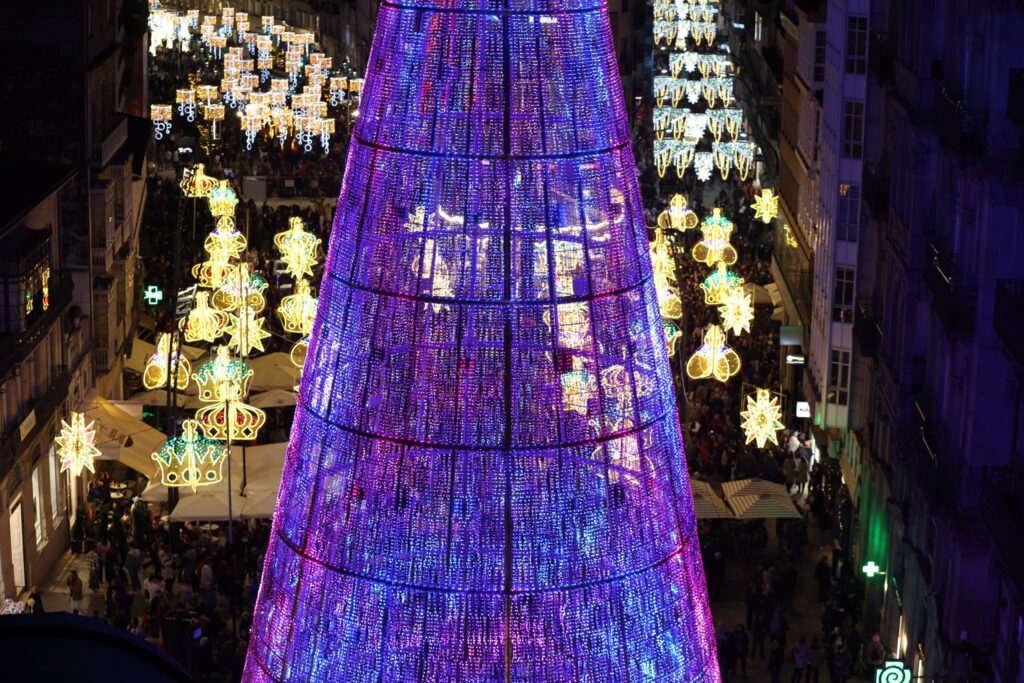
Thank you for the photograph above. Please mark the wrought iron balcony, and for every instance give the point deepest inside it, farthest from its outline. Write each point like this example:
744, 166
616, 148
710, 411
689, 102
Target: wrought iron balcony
44, 408
935, 473
956, 306
962, 129
867, 331
1004, 517
1008, 316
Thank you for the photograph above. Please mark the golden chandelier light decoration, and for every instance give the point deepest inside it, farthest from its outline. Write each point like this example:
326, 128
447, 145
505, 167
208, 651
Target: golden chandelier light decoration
737, 309
762, 419
298, 248
202, 322
298, 310
154, 375
76, 445
766, 206
713, 358
190, 459
677, 216
715, 246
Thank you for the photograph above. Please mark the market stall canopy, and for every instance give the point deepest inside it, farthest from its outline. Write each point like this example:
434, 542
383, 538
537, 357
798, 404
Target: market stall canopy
759, 499
274, 371
158, 397
260, 505
706, 503
275, 398
123, 437
207, 507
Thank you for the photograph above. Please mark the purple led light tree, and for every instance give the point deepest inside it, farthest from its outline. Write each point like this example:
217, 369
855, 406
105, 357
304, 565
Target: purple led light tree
486, 480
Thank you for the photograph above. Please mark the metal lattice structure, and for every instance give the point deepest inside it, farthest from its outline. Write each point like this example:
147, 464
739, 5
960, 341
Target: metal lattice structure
485, 480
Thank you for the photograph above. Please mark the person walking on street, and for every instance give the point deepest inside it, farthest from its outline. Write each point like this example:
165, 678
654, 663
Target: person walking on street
35, 600
796, 655
841, 663
775, 656
823, 575
813, 659
75, 589
741, 648
758, 634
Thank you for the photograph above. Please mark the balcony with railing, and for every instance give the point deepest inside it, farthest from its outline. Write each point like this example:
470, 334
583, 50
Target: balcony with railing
42, 409
1008, 316
876, 191
935, 472
961, 128
882, 58
955, 305
1004, 517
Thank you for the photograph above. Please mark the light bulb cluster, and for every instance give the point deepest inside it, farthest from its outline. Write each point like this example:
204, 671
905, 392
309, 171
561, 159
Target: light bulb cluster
295, 106
696, 71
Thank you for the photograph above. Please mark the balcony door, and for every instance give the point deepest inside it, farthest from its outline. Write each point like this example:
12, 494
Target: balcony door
17, 546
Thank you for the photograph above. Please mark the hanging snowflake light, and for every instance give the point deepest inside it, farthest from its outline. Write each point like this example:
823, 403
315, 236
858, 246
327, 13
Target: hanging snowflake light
766, 206
762, 419
737, 309
246, 332
76, 445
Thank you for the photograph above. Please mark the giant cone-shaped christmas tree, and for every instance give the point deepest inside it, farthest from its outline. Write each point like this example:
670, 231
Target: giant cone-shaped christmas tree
485, 480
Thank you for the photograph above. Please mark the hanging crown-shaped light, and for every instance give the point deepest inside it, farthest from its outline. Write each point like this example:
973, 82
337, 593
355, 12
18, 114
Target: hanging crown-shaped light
195, 183
190, 459
223, 378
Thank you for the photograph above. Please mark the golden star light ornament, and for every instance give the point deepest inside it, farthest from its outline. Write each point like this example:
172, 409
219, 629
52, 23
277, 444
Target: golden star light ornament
737, 309
714, 358
762, 419
246, 332
766, 206
76, 445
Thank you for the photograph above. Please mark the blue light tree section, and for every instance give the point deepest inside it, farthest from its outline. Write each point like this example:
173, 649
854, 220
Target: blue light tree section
485, 480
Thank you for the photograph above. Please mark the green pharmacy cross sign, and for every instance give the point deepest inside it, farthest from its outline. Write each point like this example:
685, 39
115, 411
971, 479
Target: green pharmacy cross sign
871, 569
893, 672
153, 295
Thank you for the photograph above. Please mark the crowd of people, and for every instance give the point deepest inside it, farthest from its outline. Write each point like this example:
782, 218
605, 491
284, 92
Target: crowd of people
153, 578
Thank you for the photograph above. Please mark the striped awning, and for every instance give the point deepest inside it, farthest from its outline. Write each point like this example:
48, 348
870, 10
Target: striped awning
706, 503
759, 499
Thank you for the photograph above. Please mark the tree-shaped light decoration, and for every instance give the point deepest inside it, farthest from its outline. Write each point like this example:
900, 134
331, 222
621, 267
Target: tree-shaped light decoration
154, 375
713, 358
677, 216
719, 284
246, 332
195, 183
76, 445
298, 310
737, 309
190, 459
715, 246
244, 289
766, 206
202, 322
762, 418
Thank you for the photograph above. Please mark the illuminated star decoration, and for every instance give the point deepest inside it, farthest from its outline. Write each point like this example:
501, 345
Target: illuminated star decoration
677, 216
203, 323
190, 459
246, 332
737, 309
298, 248
714, 246
762, 418
713, 358
76, 445
766, 206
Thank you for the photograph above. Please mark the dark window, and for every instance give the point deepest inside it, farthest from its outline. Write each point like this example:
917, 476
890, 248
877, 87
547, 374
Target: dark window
848, 220
853, 129
819, 56
842, 299
856, 45
839, 379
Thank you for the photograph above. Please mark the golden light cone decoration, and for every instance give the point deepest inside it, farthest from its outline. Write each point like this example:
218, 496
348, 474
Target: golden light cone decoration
154, 375
244, 289
246, 332
203, 323
714, 358
195, 183
719, 284
715, 245
298, 248
76, 445
766, 206
190, 459
737, 309
677, 216
762, 419
298, 310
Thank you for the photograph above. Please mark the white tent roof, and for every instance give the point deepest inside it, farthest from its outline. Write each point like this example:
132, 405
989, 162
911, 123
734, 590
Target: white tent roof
759, 499
260, 505
274, 371
746, 487
158, 397
263, 464
706, 503
275, 398
125, 437
207, 507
